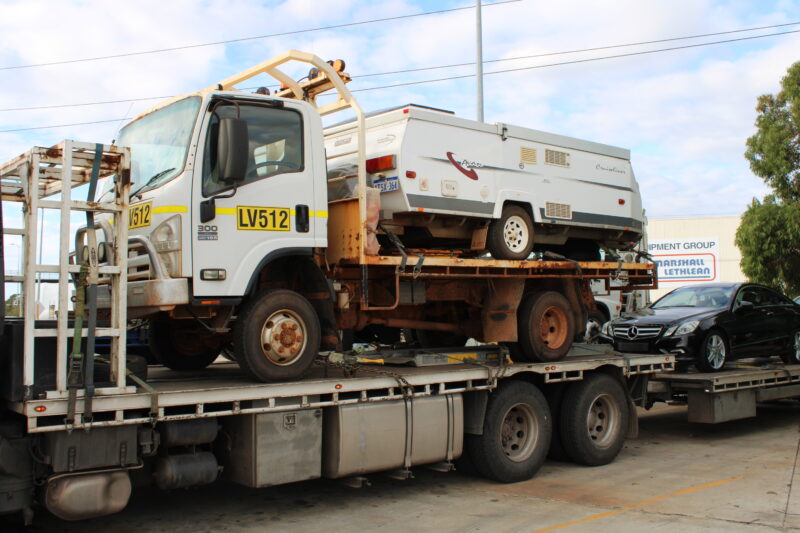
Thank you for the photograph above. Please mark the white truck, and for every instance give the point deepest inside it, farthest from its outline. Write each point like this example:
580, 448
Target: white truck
452, 182
237, 246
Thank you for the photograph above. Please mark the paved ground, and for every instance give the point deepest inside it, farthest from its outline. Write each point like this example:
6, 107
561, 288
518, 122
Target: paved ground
739, 476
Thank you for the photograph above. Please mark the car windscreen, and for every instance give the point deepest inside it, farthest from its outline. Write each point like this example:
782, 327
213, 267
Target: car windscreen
696, 297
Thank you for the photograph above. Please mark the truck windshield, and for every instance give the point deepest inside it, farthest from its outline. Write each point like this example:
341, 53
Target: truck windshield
159, 142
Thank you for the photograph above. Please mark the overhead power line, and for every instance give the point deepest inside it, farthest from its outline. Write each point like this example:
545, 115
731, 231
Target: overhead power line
253, 38
576, 61
453, 65
495, 72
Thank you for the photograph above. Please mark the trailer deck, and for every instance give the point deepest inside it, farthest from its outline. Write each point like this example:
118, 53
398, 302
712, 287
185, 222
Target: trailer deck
222, 389
730, 394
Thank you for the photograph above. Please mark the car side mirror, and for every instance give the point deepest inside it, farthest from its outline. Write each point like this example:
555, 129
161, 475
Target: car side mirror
232, 149
744, 306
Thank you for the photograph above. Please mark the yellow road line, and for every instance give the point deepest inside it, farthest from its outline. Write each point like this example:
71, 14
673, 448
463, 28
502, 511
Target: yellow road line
639, 505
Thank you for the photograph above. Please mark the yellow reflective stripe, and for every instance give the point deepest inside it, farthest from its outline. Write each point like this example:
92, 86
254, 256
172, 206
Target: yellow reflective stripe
226, 210
170, 209
319, 214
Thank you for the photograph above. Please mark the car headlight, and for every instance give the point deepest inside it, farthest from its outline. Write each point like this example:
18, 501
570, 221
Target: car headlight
606, 329
166, 239
682, 329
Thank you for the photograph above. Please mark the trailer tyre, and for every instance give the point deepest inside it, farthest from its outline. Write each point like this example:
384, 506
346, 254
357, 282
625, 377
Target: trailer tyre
792, 354
183, 344
511, 236
594, 420
546, 327
277, 336
516, 434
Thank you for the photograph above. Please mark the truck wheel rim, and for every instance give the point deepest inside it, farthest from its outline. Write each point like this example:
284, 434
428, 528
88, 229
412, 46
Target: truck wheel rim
553, 327
515, 233
715, 351
602, 420
518, 433
283, 337
797, 346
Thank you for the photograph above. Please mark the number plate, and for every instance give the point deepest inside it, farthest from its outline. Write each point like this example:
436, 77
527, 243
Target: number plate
139, 215
263, 218
387, 184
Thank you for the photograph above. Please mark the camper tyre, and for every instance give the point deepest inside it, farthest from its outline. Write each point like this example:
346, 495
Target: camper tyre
511, 235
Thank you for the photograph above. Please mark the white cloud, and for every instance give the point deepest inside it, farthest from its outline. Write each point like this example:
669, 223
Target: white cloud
685, 114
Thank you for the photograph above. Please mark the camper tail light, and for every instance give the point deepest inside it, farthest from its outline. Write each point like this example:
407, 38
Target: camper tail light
379, 164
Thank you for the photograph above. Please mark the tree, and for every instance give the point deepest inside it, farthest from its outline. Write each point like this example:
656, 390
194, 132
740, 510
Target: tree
769, 233
769, 238
774, 151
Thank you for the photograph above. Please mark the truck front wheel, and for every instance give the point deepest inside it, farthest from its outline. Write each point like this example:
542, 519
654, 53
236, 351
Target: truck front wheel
511, 235
516, 434
277, 336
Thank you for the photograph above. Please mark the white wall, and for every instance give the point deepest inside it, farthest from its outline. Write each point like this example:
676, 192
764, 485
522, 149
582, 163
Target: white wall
689, 241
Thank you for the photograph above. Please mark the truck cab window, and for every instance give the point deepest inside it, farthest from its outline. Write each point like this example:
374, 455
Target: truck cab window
275, 143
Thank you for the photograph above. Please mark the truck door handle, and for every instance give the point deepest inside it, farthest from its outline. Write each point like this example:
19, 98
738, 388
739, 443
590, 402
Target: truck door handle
301, 218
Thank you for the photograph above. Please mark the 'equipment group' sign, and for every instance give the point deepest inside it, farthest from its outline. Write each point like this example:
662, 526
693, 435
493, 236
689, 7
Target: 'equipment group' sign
685, 260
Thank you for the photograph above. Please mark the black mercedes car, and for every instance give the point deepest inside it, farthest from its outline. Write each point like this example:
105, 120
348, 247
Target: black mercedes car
711, 323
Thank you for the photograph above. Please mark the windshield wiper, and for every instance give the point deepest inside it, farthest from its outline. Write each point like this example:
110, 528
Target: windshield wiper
152, 180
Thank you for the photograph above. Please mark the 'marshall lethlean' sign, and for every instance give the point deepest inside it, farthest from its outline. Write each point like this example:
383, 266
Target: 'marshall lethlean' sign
685, 260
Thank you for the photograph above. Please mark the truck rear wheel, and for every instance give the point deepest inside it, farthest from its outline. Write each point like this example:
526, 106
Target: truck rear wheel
516, 434
594, 420
511, 235
277, 336
183, 344
546, 327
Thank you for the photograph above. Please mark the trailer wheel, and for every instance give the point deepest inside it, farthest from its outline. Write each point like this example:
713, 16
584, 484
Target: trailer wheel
516, 434
183, 344
277, 336
594, 420
546, 327
792, 354
511, 235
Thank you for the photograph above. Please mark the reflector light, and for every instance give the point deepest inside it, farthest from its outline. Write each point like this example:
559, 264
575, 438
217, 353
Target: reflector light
210, 302
40, 408
411, 174
621, 201
338, 386
377, 164
405, 110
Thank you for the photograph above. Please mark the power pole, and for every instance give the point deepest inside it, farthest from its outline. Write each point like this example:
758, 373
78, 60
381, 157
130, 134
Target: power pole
479, 58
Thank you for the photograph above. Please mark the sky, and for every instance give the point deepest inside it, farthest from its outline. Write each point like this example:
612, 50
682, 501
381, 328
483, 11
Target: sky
684, 114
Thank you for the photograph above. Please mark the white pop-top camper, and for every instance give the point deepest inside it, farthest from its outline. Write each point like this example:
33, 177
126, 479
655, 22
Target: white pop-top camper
451, 182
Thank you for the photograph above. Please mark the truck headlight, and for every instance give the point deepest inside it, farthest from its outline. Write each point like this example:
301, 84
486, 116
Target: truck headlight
166, 239
682, 329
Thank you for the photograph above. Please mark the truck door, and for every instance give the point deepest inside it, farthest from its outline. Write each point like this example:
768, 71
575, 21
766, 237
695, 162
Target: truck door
267, 213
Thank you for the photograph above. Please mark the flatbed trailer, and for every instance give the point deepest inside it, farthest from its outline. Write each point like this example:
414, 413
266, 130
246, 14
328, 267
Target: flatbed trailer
731, 394
353, 415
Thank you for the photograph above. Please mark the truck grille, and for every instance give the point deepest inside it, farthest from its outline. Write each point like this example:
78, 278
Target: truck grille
636, 332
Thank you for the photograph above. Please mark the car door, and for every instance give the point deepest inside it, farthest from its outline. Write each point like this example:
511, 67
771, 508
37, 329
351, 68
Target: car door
748, 330
267, 213
780, 319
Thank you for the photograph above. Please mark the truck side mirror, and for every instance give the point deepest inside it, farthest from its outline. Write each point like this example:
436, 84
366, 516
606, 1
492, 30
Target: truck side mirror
232, 149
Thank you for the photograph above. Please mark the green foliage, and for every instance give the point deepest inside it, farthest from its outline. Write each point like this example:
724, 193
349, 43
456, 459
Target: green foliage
774, 151
769, 234
769, 238
14, 305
